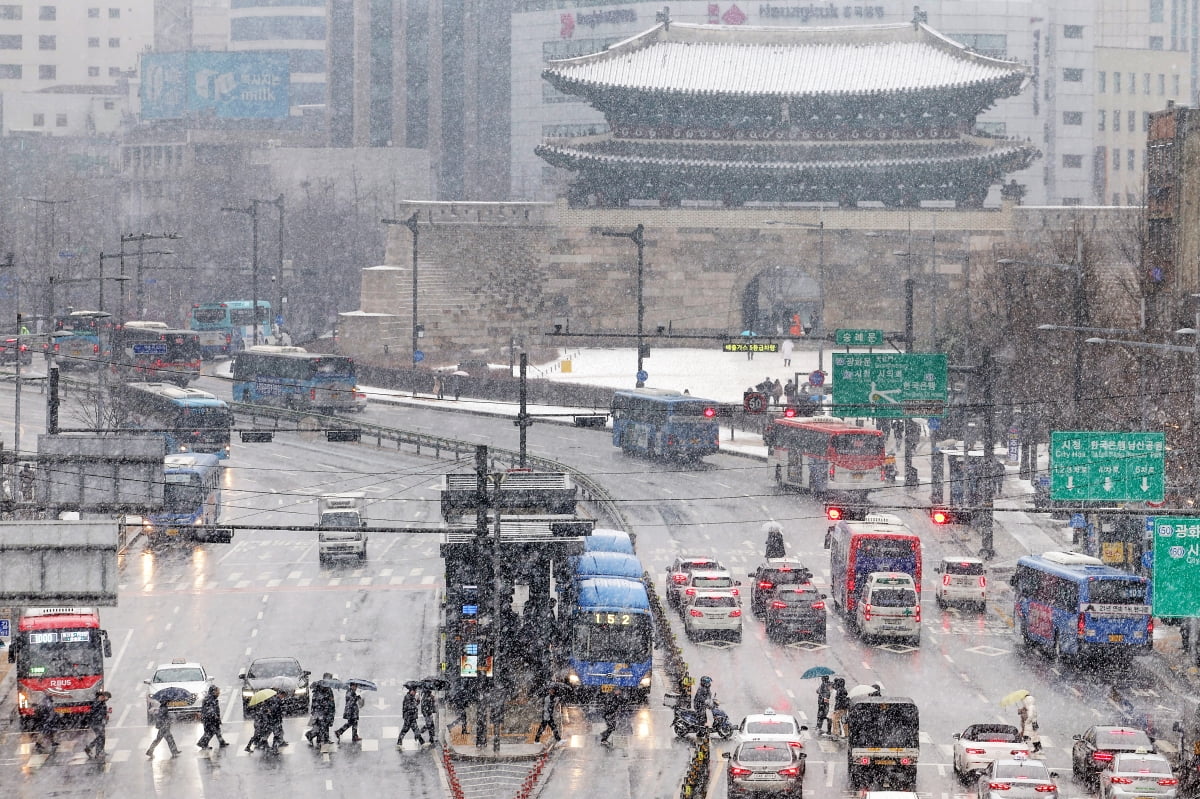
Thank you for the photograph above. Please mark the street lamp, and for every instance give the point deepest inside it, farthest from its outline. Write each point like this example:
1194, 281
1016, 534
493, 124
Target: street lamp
637, 237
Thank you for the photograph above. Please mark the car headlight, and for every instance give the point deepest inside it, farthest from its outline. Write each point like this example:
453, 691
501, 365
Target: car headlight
247, 693
573, 678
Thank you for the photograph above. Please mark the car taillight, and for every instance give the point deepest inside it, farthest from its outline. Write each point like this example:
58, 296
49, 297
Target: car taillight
1102, 757
690, 592
1021, 751
695, 613
917, 615
946, 579
1168, 781
864, 761
95, 349
998, 786
818, 606
777, 605
1120, 780
867, 611
738, 771
832, 471
795, 744
735, 613
679, 578
735, 592
1046, 788
790, 771
765, 585
976, 751
312, 394
906, 761
982, 581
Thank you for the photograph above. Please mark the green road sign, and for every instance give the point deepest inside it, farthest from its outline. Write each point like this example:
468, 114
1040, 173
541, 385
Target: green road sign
892, 385
1176, 567
858, 338
1118, 467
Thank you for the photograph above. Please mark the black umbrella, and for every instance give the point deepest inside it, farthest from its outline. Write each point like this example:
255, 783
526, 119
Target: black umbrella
435, 683
326, 682
173, 694
361, 684
411, 684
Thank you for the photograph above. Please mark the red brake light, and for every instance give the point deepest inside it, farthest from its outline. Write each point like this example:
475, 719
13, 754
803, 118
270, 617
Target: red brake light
998, 786
976, 751
867, 613
1046, 788
789, 412
735, 613
777, 605
1120, 780
1102, 757
738, 771
946, 579
695, 613
690, 592
679, 578
735, 592
982, 581
1080, 625
765, 585
790, 771
795, 744
710, 413
1168, 781
1150, 628
818, 605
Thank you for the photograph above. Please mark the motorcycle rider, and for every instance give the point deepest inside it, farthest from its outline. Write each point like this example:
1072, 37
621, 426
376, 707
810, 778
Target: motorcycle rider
703, 702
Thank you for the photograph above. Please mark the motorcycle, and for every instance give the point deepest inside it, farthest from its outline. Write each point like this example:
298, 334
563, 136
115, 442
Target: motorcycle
692, 722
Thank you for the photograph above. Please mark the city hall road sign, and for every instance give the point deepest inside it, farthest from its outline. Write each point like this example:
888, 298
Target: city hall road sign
892, 385
1176, 567
1117, 467
858, 338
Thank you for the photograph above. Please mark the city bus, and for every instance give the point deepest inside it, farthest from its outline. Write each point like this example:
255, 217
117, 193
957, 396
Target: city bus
81, 339
291, 377
610, 643
1073, 605
826, 456
227, 327
663, 423
60, 652
153, 351
191, 499
879, 543
191, 420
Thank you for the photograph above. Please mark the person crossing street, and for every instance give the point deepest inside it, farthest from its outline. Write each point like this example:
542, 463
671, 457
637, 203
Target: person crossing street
210, 718
162, 723
549, 711
350, 714
408, 712
97, 721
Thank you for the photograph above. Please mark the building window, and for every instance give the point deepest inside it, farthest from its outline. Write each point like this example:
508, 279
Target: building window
1162, 84
1116, 120
39, 120
1072, 162
1145, 122
1145, 83
1072, 201
1175, 85
1116, 83
10, 12
1072, 31
1156, 43
109, 105
47, 72
47, 13
114, 41
46, 43
93, 41
1073, 75
1101, 81
114, 13
1133, 83
10, 71
1117, 158
93, 13
93, 72
60, 120
10, 42
1156, 10
1101, 116
1072, 117
1131, 160
994, 45
114, 72
1132, 126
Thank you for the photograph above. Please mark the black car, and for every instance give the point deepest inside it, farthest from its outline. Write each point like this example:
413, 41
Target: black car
771, 574
795, 611
280, 674
1094, 750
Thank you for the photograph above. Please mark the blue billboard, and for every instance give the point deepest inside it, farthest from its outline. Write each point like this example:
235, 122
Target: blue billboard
226, 85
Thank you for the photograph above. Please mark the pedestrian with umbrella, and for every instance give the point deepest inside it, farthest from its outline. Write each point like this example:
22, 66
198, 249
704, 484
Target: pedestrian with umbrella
1028, 715
774, 547
272, 709
408, 712
210, 717
824, 693
841, 706
162, 723
428, 712
97, 721
262, 730
324, 706
459, 700
354, 704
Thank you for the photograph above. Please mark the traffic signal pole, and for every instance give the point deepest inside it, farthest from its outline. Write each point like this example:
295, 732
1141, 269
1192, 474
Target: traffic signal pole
986, 549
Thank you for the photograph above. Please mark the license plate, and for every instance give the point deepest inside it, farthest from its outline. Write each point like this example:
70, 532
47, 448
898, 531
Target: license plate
856, 476
172, 531
884, 762
607, 689
763, 777
1116, 639
177, 703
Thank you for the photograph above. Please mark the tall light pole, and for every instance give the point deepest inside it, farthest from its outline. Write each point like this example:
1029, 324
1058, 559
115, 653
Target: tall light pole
252, 211
637, 236
141, 239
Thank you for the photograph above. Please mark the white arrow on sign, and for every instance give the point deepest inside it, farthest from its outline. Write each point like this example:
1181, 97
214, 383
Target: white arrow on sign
1070, 483
1108, 484
1145, 483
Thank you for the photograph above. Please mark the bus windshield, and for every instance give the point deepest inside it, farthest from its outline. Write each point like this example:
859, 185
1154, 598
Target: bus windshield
608, 642
885, 554
204, 418
209, 316
182, 494
244, 316
60, 653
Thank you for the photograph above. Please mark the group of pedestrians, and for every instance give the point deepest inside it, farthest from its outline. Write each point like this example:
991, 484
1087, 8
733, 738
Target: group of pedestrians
832, 694
426, 706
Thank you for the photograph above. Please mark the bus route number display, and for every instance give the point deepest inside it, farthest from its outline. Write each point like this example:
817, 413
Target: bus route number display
615, 619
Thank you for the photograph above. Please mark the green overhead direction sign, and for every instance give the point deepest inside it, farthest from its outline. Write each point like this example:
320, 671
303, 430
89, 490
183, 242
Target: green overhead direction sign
893, 385
1176, 567
850, 337
1107, 466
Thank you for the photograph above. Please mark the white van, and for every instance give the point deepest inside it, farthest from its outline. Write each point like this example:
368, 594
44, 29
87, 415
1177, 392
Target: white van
890, 607
961, 580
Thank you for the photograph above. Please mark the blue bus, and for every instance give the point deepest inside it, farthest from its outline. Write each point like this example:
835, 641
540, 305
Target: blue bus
1074, 605
879, 543
602, 540
608, 564
191, 420
191, 499
82, 339
291, 377
666, 424
610, 642
227, 327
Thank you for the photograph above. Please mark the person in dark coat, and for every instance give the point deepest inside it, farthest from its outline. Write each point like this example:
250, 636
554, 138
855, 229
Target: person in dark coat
702, 700
429, 713
841, 706
408, 712
350, 714
324, 706
774, 548
610, 710
162, 722
45, 724
824, 693
262, 729
97, 721
210, 717
273, 709
549, 710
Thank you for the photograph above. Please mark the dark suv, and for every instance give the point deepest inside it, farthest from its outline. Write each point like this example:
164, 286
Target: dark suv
773, 573
795, 611
12, 348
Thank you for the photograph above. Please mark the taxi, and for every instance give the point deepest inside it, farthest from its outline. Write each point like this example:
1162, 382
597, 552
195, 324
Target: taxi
188, 676
771, 726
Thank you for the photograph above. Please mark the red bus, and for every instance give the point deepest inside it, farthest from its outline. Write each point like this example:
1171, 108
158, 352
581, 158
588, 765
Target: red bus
152, 351
880, 543
60, 652
826, 456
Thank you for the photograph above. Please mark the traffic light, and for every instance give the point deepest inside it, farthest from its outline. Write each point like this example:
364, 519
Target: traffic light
833, 513
710, 413
849, 513
940, 515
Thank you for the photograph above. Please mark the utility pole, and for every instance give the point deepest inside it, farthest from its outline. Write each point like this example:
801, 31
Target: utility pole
140, 289
986, 549
637, 236
910, 472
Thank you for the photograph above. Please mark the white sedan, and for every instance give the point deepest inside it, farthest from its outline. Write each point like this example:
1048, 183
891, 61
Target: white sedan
771, 726
712, 613
183, 684
1138, 774
978, 745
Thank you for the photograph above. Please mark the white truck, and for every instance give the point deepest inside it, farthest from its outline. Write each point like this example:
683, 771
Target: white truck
342, 517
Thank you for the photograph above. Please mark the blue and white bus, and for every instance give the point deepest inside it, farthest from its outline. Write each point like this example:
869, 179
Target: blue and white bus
191, 420
290, 377
82, 339
1075, 605
227, 327
610, 642
191, 499
664, 423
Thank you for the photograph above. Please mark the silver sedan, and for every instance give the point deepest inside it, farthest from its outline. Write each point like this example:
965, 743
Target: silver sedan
1142, 774
1017, 778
